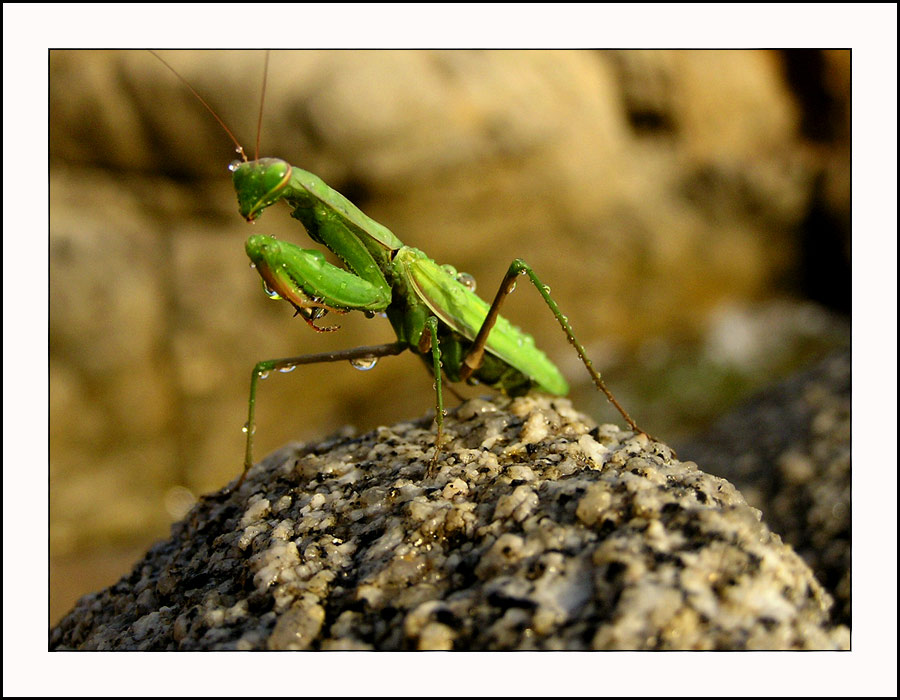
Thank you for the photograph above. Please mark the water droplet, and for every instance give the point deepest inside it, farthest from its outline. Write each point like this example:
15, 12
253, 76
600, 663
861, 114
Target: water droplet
245, 429
546, 288
313, 313
234, 165
364, 363
263, 374
285, 370
271, 293
252, 266
513, 288
465, 279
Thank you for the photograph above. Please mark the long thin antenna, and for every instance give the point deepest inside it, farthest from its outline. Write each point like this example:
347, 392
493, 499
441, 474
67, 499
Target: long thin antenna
240, 149
262, 101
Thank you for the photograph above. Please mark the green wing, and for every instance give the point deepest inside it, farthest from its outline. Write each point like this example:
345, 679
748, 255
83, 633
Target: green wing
464, 311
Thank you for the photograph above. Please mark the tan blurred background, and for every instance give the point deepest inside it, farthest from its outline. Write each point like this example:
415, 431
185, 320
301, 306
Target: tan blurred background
688, 209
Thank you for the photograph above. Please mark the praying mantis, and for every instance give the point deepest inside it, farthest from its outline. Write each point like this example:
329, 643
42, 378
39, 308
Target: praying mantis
433, 309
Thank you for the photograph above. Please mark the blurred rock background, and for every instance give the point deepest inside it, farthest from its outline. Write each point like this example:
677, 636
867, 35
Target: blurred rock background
690, 211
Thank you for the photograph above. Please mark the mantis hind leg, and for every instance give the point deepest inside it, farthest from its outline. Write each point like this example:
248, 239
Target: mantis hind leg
261, 369
475, 355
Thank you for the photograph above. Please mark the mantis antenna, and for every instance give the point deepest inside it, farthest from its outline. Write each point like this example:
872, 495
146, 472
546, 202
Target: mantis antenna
262, 101
240, 149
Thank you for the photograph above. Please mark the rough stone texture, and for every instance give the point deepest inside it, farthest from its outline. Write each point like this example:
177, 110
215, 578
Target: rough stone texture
540, 530
788, 450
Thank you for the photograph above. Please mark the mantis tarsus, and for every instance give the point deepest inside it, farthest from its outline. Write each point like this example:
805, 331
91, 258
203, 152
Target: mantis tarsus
433, 309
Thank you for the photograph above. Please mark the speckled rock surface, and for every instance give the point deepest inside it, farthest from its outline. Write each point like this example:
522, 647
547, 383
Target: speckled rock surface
540, 530
788, 450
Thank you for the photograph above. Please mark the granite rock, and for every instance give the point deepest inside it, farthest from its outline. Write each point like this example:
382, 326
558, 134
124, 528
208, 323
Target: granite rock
788, 449
539, 530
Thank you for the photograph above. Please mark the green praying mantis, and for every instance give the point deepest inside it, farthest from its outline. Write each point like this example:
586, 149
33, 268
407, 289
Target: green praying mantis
432, 308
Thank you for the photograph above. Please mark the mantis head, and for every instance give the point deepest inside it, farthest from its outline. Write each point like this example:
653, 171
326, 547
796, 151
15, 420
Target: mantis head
259, 184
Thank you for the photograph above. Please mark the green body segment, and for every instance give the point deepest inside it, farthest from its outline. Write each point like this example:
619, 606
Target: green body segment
343, 209
382, 275
463, 311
